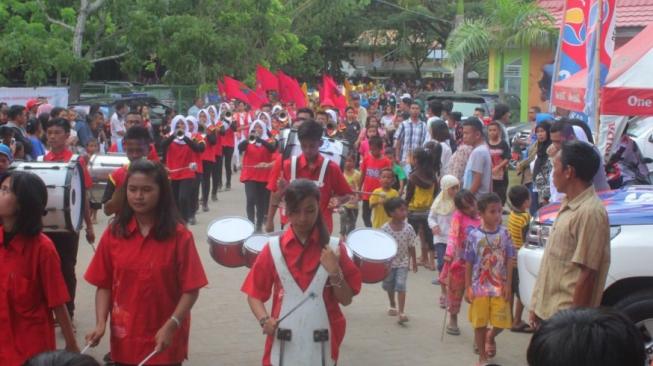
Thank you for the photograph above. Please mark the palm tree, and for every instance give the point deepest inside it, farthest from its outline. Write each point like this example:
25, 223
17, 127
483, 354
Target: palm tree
509, 24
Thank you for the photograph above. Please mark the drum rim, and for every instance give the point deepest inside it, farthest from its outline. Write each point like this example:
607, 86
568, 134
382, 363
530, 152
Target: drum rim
66, 197
256, 235
213, 241
357, 255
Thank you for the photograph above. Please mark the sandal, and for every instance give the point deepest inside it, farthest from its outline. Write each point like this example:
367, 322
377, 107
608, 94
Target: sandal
490, 346
443, 302
392, 312
522, 328
455, 331
402, 318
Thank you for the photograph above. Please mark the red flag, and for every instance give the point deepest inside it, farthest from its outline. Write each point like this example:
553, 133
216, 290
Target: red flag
235, 89
331, 92
265, 79
290, 91
221, 90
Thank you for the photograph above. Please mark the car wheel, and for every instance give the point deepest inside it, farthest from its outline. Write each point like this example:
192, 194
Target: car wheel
639, 308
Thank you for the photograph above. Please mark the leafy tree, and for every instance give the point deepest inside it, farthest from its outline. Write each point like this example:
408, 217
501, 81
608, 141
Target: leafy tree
507, 24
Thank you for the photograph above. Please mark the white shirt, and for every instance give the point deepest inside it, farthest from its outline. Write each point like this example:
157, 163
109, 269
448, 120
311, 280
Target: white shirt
117, 125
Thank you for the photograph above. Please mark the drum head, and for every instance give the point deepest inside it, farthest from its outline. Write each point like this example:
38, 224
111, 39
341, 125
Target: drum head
75, 198
256, 243
229, 230
372, 244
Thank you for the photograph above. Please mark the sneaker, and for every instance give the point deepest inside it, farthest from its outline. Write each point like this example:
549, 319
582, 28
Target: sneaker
214, 197
228, 188
219, 188
205, 207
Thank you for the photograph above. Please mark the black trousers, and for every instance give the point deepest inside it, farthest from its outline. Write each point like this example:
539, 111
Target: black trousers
209, 172
500, 187
67, 245
258, 198
196, 192
183, 192
227, 154
215, 175
367, 214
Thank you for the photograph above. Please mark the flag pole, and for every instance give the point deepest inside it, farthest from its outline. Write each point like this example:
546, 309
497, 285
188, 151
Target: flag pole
556, 61
597, 69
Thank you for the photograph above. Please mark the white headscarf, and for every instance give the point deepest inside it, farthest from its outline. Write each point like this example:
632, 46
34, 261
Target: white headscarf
208, 115
333, 114
192, 120
264, 135
173, 128
444, 203
267, 121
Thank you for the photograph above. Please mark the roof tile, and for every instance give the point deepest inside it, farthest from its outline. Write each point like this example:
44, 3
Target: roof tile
630, 13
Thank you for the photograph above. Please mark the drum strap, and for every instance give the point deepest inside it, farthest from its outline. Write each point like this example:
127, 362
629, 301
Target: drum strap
320, 179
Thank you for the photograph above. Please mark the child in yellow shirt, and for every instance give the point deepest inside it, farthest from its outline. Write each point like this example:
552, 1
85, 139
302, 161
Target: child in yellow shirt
380, 195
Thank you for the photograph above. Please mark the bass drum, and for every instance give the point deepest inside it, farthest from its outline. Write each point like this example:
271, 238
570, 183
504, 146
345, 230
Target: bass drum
65, 184
100, 167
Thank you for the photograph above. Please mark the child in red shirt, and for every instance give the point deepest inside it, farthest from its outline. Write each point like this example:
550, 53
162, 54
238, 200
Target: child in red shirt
257, 152
31, 283
147, 273
371, 168
315, 263
198, 138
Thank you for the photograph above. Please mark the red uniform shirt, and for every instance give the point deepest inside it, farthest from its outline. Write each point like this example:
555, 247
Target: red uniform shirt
64, 156
151, 155
31, 284
229, 138
147, 278
334, 182
199, 139
118, 176
303, 262
218, 146
254, 154
209, 152
178, 159
371, 169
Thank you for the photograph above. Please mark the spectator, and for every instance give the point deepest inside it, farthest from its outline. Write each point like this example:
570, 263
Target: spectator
455, 129
500, 154
542, 166
412, 133
6, 158
434, 112
478, 170
117, 121
479, 113
35, 132
577, 256
502, 116
352, 127
84, 133
587, 337
17, 120
440, 134
4, 113
359, 111
194, 110
388, 117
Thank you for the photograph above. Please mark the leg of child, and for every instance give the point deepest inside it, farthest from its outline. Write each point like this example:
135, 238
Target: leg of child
454, 298
389, 287
480, 335
400, 287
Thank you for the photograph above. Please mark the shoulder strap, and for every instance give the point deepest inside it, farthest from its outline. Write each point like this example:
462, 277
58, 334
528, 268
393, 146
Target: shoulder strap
323, 169
293, 168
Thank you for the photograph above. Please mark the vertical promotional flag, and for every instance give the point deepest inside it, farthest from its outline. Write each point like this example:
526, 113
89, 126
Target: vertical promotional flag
601, 40
572, 43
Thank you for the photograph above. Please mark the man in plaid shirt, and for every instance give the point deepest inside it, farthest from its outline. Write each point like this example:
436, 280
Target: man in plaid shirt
412, 133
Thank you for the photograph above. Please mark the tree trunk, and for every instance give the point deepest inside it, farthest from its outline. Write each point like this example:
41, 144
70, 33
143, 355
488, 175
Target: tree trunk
459, 70
502, 76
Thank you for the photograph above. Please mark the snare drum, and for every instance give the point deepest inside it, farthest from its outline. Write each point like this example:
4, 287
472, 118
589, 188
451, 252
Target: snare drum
64, 181
100, 167
373, 253
226, 238
253, 246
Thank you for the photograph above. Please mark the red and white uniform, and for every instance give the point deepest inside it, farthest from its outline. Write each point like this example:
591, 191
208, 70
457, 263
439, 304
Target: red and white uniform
302, 262
147, 277
253, 155
64, 156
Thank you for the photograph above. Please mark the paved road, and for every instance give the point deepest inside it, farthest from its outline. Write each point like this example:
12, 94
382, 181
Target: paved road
224, 332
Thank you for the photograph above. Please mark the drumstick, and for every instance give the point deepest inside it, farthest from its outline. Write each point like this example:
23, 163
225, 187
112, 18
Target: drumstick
148, 357
312, 295
257, 167
371, 193
191, 166
85, 349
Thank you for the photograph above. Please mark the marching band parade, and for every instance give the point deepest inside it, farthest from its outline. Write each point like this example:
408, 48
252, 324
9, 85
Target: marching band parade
317, 200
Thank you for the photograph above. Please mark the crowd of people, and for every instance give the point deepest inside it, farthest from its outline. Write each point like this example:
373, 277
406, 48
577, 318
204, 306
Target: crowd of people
418, 173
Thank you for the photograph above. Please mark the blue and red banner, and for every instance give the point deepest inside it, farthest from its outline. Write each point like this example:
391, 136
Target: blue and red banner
571, 56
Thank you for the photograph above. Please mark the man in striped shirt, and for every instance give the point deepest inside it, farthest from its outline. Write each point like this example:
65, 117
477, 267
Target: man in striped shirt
411, 134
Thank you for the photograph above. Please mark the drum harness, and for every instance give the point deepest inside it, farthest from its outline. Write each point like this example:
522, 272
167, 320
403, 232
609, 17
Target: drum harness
309, 314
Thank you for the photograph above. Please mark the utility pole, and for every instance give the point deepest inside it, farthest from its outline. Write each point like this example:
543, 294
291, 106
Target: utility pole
459, 71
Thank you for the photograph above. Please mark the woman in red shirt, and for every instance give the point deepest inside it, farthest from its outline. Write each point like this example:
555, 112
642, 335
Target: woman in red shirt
257, 152
31, 282
314, 264
197, 137
181, 160
147, 273
218, 126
